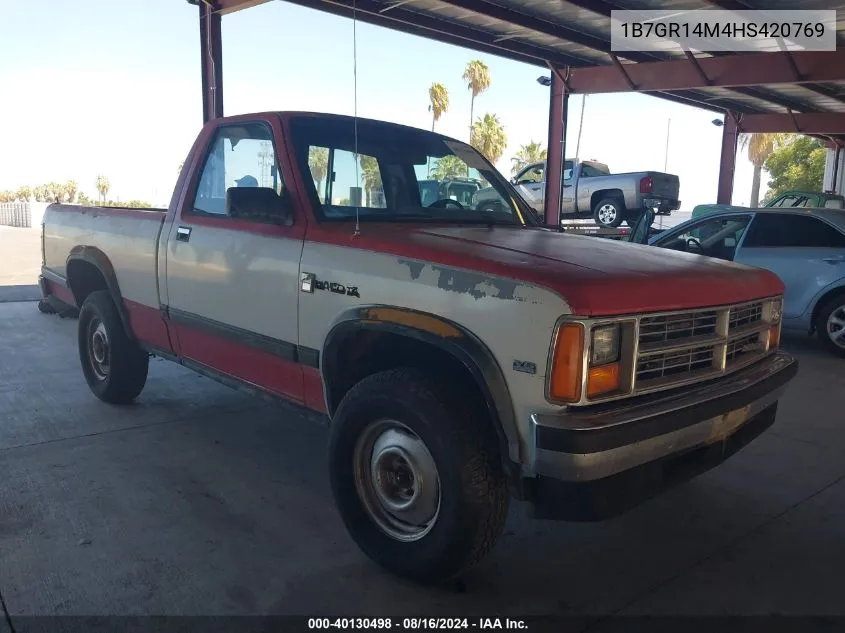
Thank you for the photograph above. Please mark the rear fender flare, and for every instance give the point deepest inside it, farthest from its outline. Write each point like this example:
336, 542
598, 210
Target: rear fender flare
98, 259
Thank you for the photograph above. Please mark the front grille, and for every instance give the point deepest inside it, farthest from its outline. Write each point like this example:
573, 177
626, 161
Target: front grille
671, 327
682, 347
745, 315
675, 363
741, 348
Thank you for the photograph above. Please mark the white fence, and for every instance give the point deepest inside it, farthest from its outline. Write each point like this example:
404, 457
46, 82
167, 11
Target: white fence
22, 214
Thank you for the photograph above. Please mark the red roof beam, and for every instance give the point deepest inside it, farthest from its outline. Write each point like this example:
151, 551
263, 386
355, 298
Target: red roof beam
822, 123
726, 71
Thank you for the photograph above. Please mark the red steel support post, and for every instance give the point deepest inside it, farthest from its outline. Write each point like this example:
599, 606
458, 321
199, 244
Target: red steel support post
728, 161
558, 104
211, 61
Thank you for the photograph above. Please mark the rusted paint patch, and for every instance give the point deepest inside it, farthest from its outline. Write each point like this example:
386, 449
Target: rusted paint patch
477, 285
413, 319
416, 268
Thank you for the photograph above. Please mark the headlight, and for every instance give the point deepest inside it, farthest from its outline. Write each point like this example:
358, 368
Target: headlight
773, 313
605, 345
604, 373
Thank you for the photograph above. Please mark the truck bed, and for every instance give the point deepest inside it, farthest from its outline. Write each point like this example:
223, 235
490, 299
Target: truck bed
129, 236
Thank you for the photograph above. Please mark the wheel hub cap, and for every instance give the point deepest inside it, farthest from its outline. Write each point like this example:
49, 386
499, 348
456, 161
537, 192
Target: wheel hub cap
397, 480
607, 213
836, 326
99, 352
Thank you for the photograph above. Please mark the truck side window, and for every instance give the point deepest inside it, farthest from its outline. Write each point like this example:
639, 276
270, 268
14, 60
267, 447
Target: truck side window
537, 173
348, 184
241, 155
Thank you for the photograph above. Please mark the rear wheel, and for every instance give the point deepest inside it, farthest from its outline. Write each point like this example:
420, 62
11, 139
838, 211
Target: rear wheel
115, 367
416, 475
830, 324
609, 212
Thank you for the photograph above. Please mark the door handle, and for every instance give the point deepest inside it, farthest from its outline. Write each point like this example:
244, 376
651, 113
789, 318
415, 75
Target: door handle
183, 233
834, 260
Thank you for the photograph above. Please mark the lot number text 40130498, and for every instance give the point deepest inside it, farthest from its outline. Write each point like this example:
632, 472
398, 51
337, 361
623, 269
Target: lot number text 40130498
417, 624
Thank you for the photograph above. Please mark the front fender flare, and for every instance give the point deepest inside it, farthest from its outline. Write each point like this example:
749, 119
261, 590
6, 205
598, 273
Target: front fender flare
450, 338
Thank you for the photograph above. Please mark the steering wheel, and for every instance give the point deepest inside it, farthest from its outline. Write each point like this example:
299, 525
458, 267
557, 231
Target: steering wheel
694, 243
445, 203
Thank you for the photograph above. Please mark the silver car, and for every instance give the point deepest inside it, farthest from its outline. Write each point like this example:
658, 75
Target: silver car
804, 247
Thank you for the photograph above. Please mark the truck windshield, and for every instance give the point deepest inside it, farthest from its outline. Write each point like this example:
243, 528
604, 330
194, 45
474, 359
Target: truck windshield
399, 174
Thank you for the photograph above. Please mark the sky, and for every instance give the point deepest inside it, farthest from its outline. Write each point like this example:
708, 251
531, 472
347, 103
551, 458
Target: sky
113, 88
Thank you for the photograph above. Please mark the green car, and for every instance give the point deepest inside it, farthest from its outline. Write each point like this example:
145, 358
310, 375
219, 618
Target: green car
788, 199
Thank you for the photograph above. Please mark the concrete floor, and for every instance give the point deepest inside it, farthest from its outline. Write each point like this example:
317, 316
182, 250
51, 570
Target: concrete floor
201, 500
20, 256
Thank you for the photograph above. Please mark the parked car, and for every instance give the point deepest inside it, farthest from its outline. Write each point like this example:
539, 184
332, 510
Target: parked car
591, 190
463, 357
786, 200
804, 247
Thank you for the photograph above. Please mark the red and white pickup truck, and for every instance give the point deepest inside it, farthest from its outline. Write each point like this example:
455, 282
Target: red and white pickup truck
463, 356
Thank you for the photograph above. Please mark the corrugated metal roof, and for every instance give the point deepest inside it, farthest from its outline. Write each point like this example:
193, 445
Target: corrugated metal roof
576, 33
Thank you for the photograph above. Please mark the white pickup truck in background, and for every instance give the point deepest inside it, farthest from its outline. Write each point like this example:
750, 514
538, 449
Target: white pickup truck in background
464, 357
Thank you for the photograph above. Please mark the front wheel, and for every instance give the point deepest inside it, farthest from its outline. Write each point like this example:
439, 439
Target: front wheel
609, 213
416, 475
831, 325
115, 367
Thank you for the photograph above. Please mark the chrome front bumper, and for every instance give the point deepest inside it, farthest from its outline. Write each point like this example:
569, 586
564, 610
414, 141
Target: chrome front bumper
583, 445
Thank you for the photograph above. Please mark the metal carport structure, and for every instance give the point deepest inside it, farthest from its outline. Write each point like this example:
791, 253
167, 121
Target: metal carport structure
766, 91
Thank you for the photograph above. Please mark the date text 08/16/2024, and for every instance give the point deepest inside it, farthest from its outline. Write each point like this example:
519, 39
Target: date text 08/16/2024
416, 624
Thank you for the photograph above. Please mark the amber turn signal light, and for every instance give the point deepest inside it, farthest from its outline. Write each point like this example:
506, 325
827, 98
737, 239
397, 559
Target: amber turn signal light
602, 379
567, 362
774, 336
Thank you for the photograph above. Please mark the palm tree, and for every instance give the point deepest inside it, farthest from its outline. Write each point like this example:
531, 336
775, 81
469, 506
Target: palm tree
371, 176
318, 162
71, 190
488, 137
439, 98
527, 155
449, 167
477, 76
103, 187
760, 146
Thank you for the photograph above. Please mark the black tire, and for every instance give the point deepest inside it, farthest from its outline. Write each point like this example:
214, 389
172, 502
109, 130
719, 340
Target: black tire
832, 308
473, 494
602, 210
116, 370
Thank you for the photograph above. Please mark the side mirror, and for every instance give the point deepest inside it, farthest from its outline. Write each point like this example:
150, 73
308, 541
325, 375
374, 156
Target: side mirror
259, 204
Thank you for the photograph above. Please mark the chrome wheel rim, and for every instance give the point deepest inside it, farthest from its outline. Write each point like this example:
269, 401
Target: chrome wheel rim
835, 326
607, 214
99, 351
396, 480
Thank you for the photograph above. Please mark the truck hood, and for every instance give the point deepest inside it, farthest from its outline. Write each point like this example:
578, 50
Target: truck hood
596, 277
